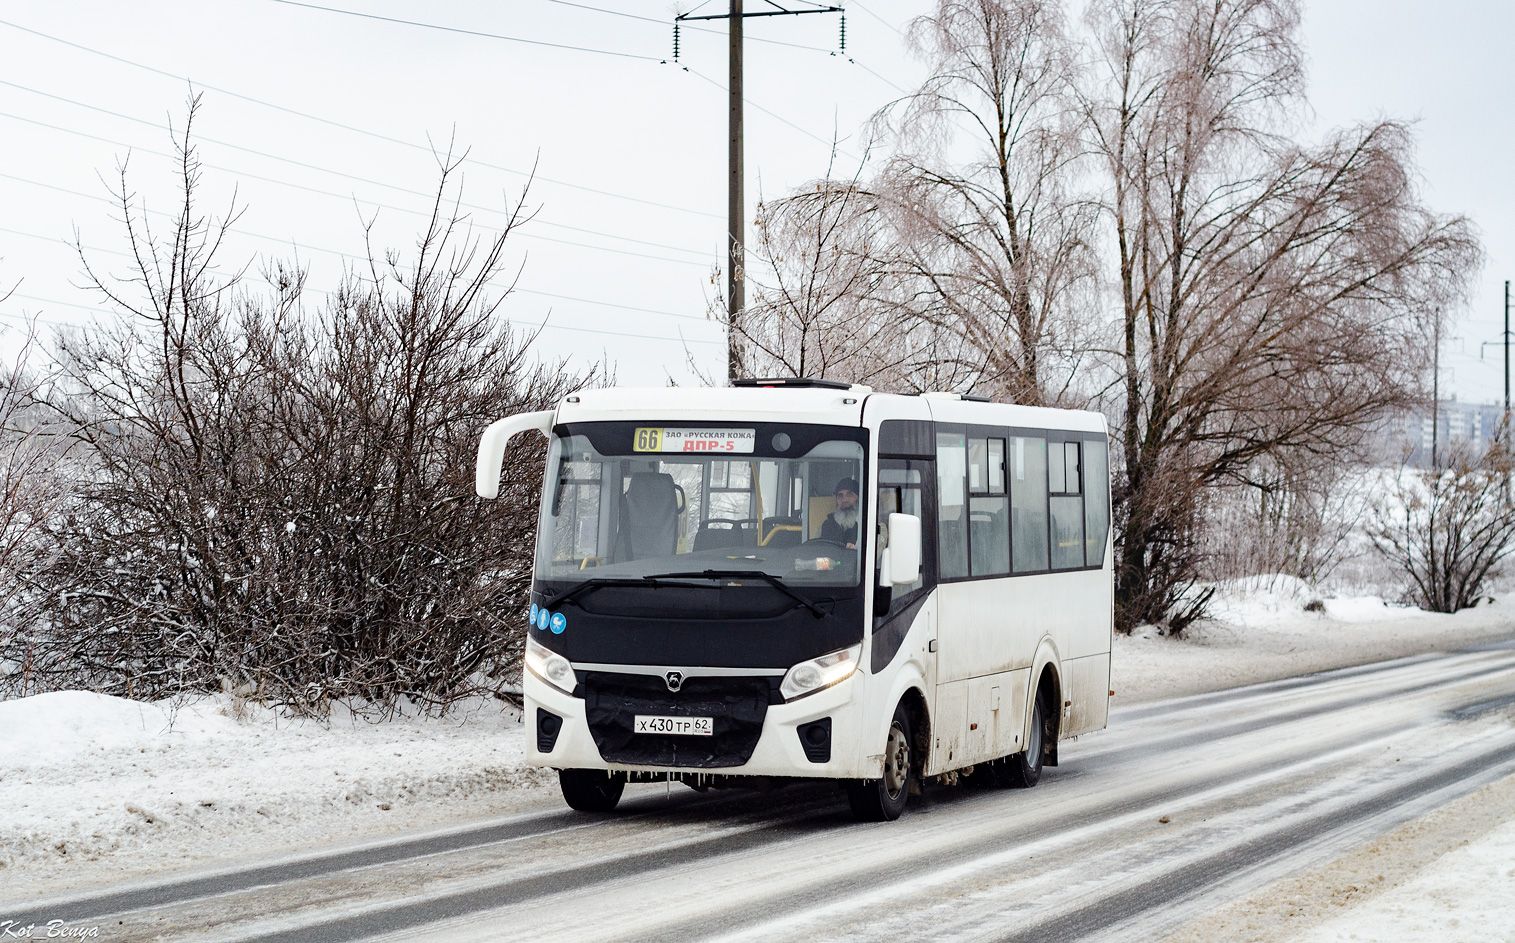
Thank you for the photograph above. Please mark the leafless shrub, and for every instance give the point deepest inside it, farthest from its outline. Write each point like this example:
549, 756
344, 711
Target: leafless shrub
278, 500
1449, 530
1300, 520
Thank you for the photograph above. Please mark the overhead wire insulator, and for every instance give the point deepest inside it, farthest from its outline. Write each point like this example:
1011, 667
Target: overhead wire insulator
675, 40
844, 31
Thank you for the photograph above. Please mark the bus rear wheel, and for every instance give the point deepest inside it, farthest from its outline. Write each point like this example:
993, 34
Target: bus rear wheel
591, 790
1022, 770
883, 799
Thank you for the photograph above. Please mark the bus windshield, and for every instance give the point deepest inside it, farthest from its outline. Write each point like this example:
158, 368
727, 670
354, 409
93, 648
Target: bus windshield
627, 501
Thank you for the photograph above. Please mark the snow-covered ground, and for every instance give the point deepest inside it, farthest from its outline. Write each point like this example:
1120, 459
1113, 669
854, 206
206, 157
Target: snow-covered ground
1469, 894
95, 788
1261, 630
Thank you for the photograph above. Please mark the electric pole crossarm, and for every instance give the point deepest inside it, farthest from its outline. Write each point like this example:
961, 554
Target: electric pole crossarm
780, 11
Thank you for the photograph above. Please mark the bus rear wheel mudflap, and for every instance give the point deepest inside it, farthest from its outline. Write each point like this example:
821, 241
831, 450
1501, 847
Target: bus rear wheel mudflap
883, 799
591, 790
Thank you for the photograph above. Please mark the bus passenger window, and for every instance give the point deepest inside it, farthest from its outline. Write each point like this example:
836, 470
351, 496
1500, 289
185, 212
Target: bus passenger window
996, 466
1067, 509
988, 509
1096, 502
1028, 503
952, 505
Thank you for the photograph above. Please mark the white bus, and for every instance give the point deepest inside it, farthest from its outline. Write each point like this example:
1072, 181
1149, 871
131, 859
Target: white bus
802, 578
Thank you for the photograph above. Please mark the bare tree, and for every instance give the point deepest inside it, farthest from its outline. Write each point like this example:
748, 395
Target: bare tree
992, 238
821, 305
32, 486
1448, 531
1275, 299
280, 499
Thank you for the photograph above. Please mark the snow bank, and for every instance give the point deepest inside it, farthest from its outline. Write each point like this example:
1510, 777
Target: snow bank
85, 776
1468, 895
1260, 629
1280, 601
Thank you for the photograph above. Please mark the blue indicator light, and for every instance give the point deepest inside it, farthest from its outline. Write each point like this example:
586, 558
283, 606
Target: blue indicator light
542, 617
559, 623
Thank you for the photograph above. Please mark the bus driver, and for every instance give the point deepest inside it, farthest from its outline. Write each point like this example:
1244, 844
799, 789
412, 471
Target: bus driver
840, 526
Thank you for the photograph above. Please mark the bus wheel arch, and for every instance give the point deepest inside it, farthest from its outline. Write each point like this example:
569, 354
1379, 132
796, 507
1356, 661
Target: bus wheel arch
914, 703
1049, 691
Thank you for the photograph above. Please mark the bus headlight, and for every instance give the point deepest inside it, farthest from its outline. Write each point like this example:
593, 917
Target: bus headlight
817, 674
550, 666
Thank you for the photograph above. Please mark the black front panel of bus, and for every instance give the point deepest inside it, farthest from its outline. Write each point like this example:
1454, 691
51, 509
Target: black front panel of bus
749, 626
736, 707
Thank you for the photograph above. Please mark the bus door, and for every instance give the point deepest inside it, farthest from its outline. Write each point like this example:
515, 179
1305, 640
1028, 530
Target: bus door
907, 611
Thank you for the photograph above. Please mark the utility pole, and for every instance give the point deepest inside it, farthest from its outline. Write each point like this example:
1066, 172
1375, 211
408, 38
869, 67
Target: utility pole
1504, 423
736, 200
1436, 391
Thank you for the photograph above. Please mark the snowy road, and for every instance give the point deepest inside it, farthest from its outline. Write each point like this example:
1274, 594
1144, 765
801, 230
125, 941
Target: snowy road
1178, 807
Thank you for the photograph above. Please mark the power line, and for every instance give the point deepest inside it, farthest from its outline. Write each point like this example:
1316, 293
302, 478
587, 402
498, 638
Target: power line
316, 167
371, 16
902, 91
410, 144
344, 255
376, 203
859, 6
466, 32
770, 114
529, 324
27, 318
356, 130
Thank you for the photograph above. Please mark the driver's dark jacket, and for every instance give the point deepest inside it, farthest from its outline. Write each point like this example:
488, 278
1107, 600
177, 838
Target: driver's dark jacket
831, 530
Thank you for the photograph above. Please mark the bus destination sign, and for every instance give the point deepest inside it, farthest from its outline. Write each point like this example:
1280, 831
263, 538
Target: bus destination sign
694, 440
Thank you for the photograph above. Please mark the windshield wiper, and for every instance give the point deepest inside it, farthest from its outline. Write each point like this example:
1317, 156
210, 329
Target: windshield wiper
774, 581
599, 582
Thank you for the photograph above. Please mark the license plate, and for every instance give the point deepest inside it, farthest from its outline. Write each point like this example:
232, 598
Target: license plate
686, 726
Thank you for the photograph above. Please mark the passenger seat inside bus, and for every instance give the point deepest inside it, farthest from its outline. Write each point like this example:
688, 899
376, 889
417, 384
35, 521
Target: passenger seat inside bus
716, 534
782, 531
649, 517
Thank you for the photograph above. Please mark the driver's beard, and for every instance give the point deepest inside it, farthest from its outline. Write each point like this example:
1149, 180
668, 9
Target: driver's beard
847, 517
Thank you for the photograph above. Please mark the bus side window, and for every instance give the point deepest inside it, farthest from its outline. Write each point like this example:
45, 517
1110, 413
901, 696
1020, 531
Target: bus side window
988, 508
952, 504
1028, 503
1067, 507
1096, 502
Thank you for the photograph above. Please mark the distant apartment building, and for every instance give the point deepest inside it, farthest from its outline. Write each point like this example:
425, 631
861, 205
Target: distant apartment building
1472, 425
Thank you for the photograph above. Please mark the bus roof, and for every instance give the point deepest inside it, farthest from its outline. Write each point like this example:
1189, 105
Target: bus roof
807, 404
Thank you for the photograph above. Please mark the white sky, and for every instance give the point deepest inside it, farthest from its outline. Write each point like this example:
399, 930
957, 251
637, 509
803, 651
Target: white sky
637, 128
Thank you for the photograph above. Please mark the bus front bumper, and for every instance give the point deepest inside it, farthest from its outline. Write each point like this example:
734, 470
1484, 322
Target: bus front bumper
780, 750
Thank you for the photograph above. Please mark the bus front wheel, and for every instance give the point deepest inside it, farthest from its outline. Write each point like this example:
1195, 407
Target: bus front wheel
591, 790
883, 799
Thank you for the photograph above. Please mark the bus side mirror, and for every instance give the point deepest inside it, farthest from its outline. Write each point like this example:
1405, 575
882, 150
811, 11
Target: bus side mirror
486, 473
904, 553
